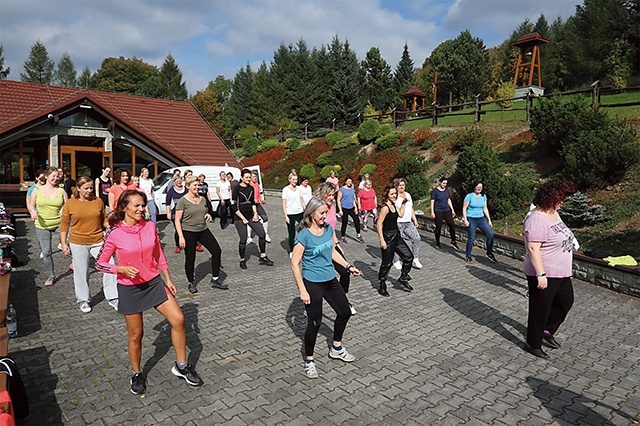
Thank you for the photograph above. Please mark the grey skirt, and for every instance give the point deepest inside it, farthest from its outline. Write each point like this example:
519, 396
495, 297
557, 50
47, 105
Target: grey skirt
134, 299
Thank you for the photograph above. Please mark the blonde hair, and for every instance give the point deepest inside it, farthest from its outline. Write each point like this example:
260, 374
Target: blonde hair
293, 174
189, 180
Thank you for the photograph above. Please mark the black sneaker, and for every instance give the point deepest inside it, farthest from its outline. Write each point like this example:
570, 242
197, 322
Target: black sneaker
438, 246
404, 282
138, 385
243, 264
188, 373
455, 245
219, 284
469, 259
265, 261
192, 288
492, 258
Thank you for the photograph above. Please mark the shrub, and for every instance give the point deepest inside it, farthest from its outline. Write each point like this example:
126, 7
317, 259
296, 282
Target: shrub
412, 166
367, 168
505, 90
308, 171
319, 133
601, 157
421, 135
326, 171
324, 159
418, 186
367, 130
250, 146
383, 130
479, 162
268, 145
388, 141
427, 145
334, 137
578, 211
511, 195
246, 132
467, 137
292, 144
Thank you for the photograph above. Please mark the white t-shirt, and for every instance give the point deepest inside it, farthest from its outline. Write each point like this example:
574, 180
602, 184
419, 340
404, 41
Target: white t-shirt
408, 208
305, 193
225, 189
293, 198
147, 187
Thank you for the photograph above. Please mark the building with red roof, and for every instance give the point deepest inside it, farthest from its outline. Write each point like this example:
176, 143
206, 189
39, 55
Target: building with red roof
83, 131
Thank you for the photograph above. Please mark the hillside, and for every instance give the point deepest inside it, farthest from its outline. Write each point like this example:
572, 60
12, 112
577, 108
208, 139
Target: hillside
616, 234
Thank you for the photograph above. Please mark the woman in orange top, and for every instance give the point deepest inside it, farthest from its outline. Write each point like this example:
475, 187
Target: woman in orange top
84, 214
121, 182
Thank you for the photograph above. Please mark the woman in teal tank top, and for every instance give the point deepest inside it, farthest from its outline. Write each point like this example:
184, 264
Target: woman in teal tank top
45, 204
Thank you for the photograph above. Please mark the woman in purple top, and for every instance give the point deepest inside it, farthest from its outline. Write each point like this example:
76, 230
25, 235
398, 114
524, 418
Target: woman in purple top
442, 208
548, 267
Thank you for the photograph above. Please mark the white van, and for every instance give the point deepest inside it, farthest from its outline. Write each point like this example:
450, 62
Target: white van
212, 177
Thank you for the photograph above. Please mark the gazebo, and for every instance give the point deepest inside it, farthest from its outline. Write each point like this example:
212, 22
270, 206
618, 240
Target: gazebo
414, 99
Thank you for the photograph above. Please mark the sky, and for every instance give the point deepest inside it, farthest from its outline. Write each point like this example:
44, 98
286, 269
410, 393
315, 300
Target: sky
208, 38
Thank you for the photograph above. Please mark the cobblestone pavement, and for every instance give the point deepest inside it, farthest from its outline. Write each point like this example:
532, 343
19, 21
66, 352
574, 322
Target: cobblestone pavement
447, 353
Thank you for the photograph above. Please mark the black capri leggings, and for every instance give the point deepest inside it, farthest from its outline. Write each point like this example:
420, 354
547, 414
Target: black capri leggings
448, 217
332, 292
207, 239
356, 220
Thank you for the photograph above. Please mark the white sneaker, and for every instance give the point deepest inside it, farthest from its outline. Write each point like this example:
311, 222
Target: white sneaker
397, 265
85, 308
310, 370
59, 246
341, 354
291, 255
41, 255
249, 240
353, 310
267, 238
114, 304
417, 264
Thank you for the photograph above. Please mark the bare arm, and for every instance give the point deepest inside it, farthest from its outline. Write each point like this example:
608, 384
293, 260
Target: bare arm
486, 213
433, 202
453, 212
31, 204
535, 253
465, 206
178, 224
296, 258
381, 217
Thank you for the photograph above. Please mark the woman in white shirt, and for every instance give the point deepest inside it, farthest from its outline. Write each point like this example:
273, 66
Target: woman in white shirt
146, 185
292, 206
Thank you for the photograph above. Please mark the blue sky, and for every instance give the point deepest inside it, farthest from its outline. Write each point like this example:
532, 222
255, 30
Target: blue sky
217, 37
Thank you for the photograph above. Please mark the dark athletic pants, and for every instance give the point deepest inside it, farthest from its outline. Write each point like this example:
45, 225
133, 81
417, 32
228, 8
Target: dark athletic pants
207, 239
548, 308
291, 228
225, 212
356, 220
448, 217
242, 233
332, 292
345, 276
395, 244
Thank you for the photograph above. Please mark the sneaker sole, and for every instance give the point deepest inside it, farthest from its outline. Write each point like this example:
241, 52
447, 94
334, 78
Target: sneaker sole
176, 373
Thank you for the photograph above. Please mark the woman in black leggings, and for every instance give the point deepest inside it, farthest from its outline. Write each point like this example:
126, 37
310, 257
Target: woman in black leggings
316, 280
391, 241
246, 211
192, 215
442, 208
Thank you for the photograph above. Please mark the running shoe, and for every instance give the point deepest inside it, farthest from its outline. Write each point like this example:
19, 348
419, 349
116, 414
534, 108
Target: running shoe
344, 240
188, 373
85, 307
176, 250
265, 261
353, 310
50, 281
397, 265
138, 385
243, 264
267, 238
417, 264
310, 370
360, 239
249, 240
199, 248
192, 288
469, 259
114, 304
219, 284
341, 354
455, 245
492, 258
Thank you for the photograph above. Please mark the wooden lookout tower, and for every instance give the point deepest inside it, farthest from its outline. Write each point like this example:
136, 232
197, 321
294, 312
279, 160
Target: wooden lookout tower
414, 99
528, 65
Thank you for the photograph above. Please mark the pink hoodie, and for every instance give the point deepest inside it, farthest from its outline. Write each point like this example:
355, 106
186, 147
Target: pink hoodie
137, 246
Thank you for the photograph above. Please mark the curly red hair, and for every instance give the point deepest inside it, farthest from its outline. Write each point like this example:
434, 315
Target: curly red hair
551, 194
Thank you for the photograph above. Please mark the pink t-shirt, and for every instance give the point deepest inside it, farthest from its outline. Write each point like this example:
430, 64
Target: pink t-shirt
367, 199
331, 218
334, 181
557, 245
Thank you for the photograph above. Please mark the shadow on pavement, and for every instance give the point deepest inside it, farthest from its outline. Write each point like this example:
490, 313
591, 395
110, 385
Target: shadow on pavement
498, 280
569, 408
40, 384
297, 321
163, 344
483, 314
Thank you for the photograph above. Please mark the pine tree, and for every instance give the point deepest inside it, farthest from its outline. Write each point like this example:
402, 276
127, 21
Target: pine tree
404, 73
322, 87
66, 72
239, 104
38, 68
263, 109
172, 86
84, 81
4, 72
378, 88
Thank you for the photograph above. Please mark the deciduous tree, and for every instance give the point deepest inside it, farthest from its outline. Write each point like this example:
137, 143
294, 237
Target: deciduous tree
123, 75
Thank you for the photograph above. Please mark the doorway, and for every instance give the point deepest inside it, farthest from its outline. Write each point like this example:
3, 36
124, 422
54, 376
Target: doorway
82, 161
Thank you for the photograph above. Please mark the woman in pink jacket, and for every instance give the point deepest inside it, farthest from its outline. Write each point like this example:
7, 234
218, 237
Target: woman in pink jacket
135, 243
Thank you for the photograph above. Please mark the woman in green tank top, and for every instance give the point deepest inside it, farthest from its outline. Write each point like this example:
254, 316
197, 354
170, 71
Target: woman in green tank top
45, 204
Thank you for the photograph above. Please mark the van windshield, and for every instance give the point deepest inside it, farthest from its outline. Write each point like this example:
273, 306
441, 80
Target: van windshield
160, 180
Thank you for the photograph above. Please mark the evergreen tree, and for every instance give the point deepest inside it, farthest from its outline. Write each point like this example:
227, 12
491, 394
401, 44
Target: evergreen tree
322, 87
347, 81
239, 104
122, 75
283, 80
38, 68
66, 72
171, 81
4, 72
84, 81
263, 110
542, 26
152, 87
303, 110
403, 74
378, 88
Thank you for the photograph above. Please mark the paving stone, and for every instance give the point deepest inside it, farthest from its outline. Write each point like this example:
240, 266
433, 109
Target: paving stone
447, 353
